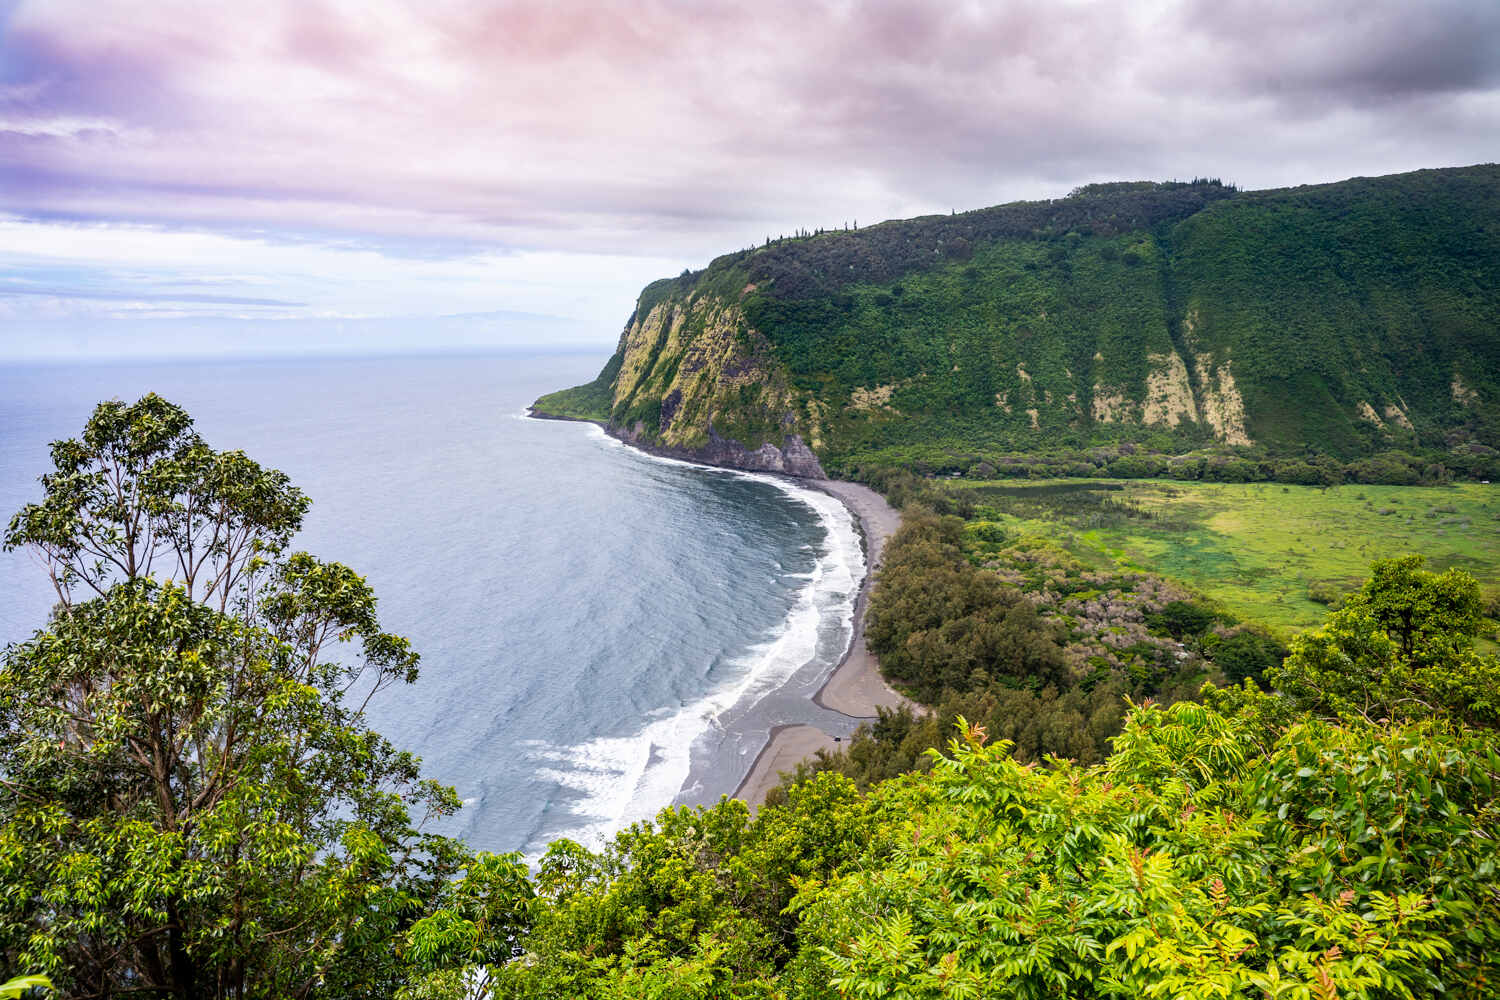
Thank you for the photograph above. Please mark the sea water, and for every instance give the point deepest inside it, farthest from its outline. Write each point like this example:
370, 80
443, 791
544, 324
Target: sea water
602, 632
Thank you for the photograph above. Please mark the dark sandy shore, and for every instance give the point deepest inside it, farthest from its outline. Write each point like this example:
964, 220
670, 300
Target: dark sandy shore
855, 688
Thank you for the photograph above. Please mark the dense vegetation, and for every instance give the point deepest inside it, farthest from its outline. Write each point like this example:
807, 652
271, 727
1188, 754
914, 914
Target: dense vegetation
1342, 332
192, 805
584, 402
1335, 840
1015, 634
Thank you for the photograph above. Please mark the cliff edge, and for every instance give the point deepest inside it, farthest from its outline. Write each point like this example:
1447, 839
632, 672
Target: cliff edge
1139, 324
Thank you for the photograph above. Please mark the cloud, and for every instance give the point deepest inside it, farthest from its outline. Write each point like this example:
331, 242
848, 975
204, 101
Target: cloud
163, 334
81, 273
60, 292
58, 128
451, 129
1349, 52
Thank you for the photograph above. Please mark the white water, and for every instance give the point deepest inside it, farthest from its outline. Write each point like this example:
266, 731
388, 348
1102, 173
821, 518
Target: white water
623, 780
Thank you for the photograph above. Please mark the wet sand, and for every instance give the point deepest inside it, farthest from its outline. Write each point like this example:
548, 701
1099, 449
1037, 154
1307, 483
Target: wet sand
855, 688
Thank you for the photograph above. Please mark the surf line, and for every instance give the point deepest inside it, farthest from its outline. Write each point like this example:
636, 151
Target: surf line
624, 779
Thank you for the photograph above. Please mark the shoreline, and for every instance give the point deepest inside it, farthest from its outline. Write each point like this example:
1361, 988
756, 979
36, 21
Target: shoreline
788, 745
855, 687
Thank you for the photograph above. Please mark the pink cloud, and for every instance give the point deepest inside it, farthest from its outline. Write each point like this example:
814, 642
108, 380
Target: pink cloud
683, 127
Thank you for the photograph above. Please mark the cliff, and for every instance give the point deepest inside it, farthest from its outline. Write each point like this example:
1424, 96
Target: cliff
691, 378
1343, 320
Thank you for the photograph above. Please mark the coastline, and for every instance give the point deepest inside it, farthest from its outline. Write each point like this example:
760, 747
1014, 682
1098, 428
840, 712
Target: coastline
788, 746
855, 687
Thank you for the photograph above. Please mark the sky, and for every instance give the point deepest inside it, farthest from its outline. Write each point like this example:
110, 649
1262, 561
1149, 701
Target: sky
285, 176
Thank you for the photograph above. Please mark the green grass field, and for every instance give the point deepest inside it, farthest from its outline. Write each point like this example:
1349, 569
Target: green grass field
1256, 548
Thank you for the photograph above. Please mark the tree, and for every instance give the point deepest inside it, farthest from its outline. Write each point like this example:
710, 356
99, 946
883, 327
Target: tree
935, 619
1429, 616
1401, 647
191, 801
1247, 653
1182, 619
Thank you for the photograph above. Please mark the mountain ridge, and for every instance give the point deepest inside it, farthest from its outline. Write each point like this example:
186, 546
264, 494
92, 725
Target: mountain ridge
1170, 322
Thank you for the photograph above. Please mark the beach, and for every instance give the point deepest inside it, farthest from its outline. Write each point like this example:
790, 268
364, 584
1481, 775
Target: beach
855, 688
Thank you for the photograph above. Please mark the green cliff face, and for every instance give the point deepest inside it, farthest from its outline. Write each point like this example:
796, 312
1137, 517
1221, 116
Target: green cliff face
691, 377
1341, 320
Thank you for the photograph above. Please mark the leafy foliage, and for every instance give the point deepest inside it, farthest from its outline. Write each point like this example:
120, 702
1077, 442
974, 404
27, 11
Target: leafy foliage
1238, 848
14, 989
1196, 863
1402, 646
190, 800
935, 620
695, 905
1019, 637
192, 804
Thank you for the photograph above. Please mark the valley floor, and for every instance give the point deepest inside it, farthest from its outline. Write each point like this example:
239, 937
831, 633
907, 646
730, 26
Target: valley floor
1270, 553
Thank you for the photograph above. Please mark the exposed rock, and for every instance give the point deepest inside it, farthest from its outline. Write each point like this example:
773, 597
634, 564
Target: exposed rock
878, 398
1222, 407
670, 406
1169, 394
794, 458
695, 376
1111, 407
699, 367
1462, 394
1367, 413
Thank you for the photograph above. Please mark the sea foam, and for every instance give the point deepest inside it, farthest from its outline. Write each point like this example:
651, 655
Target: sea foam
620, 780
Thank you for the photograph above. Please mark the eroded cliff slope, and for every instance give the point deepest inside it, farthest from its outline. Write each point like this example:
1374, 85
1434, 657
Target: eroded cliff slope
1341, 320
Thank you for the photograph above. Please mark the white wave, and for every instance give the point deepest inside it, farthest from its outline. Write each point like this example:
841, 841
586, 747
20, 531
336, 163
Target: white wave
597, 431
623, 779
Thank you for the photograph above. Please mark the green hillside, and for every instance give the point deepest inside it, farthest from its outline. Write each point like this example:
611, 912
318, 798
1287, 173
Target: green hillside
1339, 321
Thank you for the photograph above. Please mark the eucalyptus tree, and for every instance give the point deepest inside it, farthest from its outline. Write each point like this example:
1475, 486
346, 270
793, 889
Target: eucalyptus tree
191, 801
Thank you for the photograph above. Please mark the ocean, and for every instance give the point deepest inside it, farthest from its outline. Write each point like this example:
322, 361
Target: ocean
602, 633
